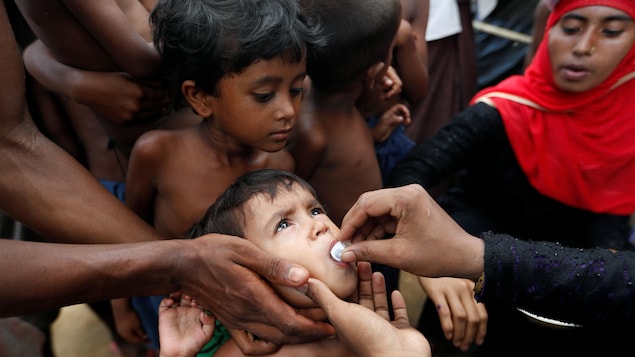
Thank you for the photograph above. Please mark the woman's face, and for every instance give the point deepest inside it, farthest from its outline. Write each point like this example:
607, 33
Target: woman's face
587, 44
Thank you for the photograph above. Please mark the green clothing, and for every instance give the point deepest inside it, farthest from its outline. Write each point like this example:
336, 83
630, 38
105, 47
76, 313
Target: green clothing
221, 335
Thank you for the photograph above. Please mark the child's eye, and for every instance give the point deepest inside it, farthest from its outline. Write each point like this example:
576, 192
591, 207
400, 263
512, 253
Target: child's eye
297, 91
283, 224
317, 211
263, 97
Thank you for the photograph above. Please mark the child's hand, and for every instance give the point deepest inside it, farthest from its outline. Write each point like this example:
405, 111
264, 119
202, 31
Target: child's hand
120, 98
127, 322
391, 84
184, 328
396, 115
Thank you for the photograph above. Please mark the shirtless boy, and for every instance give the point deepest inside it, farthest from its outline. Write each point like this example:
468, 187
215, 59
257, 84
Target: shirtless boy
241, 67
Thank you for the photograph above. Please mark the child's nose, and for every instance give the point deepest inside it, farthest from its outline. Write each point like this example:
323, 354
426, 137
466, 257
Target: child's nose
288, 108
320, 228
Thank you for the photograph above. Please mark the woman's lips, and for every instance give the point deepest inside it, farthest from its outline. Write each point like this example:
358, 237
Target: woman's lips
575, 73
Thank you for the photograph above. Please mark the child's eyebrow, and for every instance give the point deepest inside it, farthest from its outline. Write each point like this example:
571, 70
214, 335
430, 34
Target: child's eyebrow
276, 79
276, 216
267, 80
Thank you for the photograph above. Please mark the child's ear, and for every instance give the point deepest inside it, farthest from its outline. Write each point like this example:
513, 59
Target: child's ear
198, 99
373, 74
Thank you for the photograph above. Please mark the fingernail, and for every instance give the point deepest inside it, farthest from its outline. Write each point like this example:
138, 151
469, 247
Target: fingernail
348, 256
295, 274
303, 289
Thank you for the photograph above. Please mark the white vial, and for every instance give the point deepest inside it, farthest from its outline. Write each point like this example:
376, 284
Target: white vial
338, 248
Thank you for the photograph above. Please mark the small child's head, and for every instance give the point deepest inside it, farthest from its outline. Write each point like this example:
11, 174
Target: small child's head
360, 34
205, 40
278, 211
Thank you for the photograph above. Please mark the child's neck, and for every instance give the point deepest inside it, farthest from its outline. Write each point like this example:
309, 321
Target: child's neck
223, 145
342, 100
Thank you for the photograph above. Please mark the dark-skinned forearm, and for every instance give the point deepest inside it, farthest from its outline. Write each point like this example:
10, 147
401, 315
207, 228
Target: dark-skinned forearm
41, 276
57, 197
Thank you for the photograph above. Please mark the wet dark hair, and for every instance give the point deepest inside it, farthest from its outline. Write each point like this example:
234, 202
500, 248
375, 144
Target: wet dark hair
227, 216
203, 40
359, 34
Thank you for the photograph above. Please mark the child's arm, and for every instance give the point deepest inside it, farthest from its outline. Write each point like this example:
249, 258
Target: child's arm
410, 58
114, 95
142, 171
127, 321
116, 33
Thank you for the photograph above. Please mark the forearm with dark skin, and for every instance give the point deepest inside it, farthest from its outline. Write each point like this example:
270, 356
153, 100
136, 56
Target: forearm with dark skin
53, 194
41, 276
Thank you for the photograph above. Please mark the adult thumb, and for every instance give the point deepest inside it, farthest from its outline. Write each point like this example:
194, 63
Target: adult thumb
374, 251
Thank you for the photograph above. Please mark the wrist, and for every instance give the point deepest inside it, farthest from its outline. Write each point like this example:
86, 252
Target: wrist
480, 282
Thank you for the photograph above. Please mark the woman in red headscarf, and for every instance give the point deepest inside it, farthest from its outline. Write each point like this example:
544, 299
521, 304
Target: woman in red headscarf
546, 155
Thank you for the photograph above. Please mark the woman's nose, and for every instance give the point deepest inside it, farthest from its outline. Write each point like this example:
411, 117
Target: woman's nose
586, 45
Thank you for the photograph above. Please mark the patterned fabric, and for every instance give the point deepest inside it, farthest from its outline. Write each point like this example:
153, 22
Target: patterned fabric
585, 286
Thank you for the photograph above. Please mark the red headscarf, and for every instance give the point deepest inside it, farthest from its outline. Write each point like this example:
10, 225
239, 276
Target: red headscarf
578, 148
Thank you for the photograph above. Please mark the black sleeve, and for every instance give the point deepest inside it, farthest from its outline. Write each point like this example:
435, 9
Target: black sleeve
450, 149
584, 286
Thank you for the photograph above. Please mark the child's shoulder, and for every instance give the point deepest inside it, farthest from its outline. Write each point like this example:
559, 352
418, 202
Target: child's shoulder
161, 141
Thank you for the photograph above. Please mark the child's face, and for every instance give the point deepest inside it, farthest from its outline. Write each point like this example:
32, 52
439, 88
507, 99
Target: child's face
259, 106
294, 226
587, 44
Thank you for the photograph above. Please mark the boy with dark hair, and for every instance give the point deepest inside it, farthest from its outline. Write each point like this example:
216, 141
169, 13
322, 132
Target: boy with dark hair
241, 67
334, 148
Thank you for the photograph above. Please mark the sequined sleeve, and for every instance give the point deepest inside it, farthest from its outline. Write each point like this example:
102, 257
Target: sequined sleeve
577, 285
477, 128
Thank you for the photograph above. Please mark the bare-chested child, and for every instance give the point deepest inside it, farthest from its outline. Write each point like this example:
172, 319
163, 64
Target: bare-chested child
241, 67
333, 148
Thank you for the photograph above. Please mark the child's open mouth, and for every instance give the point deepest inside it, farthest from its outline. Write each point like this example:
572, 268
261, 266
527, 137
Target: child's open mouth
337, 249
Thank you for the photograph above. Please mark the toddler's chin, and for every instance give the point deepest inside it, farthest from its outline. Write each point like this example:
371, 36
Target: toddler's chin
299, 300
294, 298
